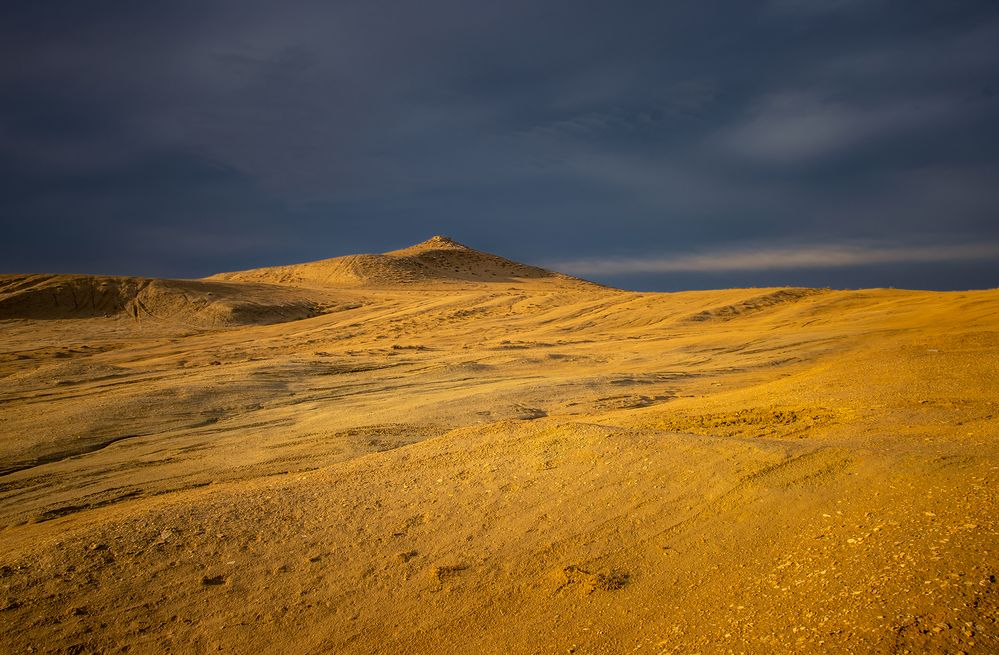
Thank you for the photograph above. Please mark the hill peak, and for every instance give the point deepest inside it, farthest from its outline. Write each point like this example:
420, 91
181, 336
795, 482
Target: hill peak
436, 242
439, 240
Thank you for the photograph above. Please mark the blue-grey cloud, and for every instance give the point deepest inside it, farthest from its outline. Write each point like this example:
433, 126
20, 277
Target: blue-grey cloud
185, 138
795, 127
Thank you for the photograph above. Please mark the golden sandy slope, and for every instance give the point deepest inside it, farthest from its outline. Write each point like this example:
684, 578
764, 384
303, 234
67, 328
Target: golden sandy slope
446, 461
438, 260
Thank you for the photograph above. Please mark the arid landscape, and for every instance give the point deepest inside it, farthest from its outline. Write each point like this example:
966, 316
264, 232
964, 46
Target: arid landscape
437, 450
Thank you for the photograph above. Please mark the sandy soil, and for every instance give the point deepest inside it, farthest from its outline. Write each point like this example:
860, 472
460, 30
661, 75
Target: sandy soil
394, 456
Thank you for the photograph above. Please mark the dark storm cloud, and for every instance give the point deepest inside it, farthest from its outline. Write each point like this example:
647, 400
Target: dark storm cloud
186, 138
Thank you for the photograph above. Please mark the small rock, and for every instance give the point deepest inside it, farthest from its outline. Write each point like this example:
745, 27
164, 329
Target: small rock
408, 555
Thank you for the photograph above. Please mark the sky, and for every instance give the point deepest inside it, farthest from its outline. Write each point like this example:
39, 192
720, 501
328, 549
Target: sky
649, 145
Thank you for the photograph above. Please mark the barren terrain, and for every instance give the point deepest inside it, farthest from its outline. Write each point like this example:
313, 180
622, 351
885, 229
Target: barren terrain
436, 450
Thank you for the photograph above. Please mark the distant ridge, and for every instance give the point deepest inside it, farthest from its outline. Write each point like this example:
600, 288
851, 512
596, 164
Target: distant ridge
196, 303
274, 294
438, 259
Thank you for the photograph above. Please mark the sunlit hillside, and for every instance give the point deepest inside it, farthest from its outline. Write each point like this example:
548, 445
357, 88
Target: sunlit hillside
437, 450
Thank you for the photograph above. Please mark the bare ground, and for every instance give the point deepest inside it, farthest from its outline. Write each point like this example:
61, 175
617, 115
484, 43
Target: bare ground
517, 466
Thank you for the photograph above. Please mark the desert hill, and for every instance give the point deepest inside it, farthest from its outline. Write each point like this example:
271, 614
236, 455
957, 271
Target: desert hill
195, 303
434, 261
434, 463
251, 297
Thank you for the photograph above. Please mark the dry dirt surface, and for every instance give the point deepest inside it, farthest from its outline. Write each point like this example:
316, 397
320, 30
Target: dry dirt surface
436, 450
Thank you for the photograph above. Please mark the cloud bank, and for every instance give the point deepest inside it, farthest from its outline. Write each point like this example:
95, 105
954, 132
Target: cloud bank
786, 258
185, 138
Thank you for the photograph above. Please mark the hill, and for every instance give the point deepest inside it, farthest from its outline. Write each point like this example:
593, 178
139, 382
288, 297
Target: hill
262, 295
434, 261
189, 302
